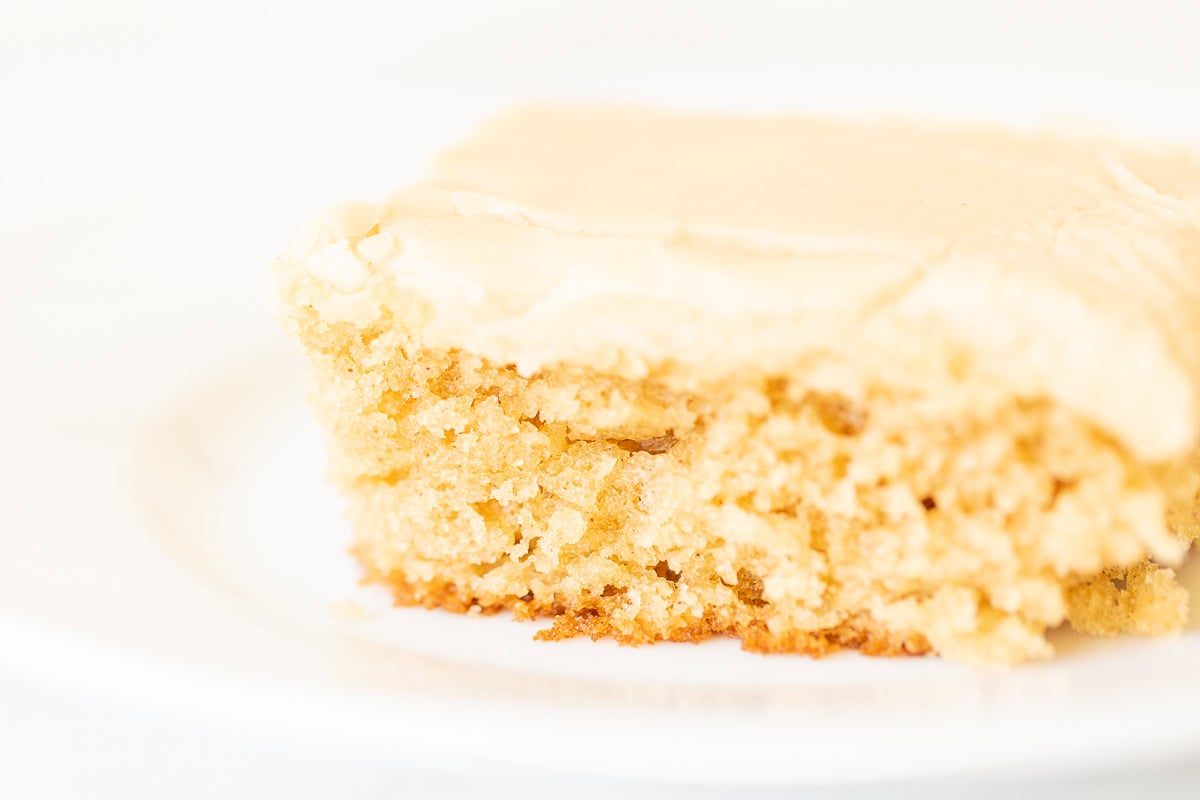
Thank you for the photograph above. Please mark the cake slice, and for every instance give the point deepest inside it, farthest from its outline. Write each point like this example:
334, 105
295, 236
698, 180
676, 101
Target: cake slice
815, 384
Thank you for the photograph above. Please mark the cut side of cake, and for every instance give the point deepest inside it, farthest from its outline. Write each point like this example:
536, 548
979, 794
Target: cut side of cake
815, 384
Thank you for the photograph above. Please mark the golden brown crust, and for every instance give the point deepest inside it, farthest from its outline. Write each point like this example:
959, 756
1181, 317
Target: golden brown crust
1142, 599
593, 619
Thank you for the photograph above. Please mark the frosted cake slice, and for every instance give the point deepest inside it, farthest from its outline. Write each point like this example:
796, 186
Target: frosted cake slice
816, 384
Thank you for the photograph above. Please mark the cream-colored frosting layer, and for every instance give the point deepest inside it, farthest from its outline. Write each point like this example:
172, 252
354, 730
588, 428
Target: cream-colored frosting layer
1049, 265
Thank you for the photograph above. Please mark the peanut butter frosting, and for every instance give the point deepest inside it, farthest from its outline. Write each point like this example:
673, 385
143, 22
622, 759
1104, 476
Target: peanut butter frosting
1034, 263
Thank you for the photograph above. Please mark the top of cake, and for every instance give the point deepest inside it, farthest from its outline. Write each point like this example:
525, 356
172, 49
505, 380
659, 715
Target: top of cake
625, 239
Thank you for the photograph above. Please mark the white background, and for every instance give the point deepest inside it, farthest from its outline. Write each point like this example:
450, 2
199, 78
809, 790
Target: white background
171, 131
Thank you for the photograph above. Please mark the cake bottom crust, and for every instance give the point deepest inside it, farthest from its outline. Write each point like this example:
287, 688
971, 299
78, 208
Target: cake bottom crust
1104, 606
594, 619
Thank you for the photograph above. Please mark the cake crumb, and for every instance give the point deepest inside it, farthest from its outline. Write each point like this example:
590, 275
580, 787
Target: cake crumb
348, 611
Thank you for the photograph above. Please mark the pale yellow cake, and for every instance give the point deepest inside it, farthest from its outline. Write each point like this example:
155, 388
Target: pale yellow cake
816, 384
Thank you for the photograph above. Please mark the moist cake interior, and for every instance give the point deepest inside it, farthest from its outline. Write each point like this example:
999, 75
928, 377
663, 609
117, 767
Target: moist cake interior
794, 518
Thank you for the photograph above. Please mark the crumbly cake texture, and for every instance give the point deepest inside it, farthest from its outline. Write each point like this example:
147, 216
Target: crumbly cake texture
800, 496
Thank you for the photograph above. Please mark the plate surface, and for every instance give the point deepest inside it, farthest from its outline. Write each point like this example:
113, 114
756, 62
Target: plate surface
169, 540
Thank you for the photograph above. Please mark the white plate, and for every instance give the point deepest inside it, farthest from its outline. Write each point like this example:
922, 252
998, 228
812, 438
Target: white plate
168, 540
